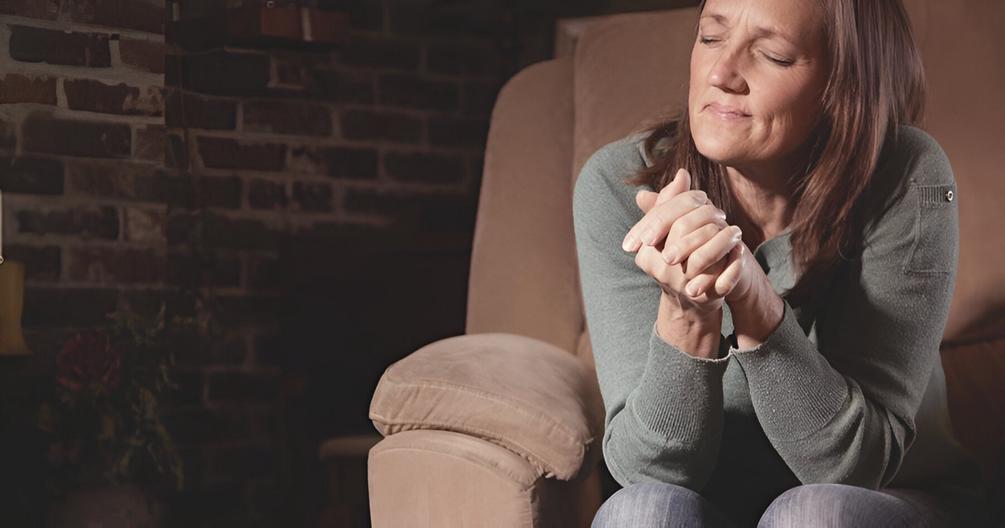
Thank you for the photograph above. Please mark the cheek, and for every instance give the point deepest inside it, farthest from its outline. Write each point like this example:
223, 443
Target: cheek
791, 105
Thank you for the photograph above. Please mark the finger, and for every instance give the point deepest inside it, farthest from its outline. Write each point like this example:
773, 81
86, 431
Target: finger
677, 249
700, 284
692, 221
722, 281
681, 182
730, 277
712, 251
645, 200
654, 226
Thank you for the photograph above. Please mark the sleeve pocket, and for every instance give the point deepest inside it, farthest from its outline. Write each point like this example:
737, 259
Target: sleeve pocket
933, 251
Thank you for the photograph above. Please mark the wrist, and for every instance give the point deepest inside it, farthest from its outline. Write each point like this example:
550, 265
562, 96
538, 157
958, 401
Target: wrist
756, 315
696, 333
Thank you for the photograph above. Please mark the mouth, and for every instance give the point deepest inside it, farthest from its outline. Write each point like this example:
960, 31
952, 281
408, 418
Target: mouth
726, 112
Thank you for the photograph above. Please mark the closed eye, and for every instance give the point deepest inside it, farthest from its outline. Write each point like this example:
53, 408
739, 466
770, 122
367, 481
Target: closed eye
781, 62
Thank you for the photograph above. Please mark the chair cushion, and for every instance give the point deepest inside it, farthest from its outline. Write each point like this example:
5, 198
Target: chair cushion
531, 397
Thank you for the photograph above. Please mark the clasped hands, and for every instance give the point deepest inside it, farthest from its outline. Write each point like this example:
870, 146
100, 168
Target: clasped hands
684, 243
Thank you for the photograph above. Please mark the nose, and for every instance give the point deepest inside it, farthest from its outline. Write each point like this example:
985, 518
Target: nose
725, 73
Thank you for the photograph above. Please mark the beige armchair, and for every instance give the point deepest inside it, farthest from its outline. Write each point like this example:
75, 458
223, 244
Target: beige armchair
502, 426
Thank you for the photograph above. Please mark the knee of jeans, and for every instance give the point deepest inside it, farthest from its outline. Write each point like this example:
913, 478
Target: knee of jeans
646, 504
836, 505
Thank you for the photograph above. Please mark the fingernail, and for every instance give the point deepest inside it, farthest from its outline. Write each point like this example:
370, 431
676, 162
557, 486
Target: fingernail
692, 289
629, 243
670, 256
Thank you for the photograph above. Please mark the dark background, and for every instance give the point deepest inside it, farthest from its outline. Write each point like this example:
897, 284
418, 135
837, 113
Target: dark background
315, 202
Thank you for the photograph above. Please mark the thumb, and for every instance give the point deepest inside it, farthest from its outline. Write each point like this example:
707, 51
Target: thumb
681, 182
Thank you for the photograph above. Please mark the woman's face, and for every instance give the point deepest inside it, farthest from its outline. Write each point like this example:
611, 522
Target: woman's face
766, 59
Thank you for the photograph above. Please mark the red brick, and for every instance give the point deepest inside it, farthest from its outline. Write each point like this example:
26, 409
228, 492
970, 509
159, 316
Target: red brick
349, 163
96, 96
380, 52
44, 9
363, 14
30, 44
145, 226
312, 196
142, 54
42, 133
190, 191
226, 153
412, 91
341, 86
87, 222
424, 167
31, 175
107, 179
8, 137
16, 88
142, 15
265, 194
40, 262
104, 265
371, 125
219, 73
287, 117
176, 153
192, 111
222, 232
150, 143
68, 306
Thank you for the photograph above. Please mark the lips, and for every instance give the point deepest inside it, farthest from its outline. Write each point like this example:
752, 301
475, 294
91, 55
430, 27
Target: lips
726, 111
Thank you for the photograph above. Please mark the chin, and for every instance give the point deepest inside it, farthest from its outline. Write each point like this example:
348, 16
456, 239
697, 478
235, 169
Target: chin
716, 147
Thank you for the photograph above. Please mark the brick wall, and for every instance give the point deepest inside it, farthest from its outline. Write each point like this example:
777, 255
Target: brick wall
384, 133
138, 167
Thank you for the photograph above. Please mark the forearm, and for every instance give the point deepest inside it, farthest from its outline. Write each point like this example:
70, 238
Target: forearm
695, 333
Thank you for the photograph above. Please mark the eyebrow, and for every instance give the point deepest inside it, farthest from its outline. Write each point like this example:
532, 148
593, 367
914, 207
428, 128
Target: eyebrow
766, 31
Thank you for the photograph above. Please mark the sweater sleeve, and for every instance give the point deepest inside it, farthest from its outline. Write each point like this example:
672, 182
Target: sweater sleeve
663, 407
842, 409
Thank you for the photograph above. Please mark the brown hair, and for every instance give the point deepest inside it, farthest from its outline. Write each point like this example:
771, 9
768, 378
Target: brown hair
876, 83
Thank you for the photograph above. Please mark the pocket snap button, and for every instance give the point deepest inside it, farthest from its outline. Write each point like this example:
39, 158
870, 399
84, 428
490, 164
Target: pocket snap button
949, 196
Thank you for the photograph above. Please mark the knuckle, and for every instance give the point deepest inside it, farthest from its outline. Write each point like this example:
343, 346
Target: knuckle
676, 228
709, 230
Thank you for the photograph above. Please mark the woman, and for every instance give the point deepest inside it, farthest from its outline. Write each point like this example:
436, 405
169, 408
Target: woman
798, 384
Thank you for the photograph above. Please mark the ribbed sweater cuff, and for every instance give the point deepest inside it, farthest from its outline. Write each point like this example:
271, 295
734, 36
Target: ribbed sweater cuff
680, 396
792, 386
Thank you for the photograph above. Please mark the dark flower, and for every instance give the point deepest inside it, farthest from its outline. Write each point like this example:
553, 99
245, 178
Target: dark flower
88, 360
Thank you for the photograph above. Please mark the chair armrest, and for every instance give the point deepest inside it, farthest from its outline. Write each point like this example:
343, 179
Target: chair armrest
529, 396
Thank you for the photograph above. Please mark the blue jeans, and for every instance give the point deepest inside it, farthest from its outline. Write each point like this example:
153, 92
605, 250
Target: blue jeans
661, 505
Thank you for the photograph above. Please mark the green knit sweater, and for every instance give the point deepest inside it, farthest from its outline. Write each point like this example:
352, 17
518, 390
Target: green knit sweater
848, 391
